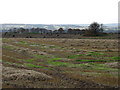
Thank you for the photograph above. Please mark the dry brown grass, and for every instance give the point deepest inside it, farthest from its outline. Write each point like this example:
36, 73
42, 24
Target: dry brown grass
62, 48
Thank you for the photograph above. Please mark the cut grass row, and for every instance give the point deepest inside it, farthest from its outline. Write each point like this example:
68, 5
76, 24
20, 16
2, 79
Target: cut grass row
94, 54
54, 62
111, 59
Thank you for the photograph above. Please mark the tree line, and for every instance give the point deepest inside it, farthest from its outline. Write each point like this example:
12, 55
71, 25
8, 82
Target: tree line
94, 29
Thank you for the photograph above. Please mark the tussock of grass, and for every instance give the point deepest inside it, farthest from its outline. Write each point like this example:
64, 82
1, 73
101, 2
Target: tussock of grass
102, 67
115, 58
26, 60
29, 60
93, 66
54, 59
39, 56
73, 56
89, 54
93, 61
11, 63
94, 53
34, 45
35, 66
52, 46
22, 42
106, 79
7, 47
58, 63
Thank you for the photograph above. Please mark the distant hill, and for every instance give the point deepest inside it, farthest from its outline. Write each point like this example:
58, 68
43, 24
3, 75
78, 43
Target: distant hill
108, 27
113, 24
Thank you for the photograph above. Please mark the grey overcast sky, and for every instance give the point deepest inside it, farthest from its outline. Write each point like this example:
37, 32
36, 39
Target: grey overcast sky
58, 11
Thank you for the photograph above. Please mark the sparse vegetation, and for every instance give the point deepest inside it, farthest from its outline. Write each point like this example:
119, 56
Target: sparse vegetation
67, 61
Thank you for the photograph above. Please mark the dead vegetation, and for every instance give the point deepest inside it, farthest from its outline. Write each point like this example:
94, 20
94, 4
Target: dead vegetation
60, 63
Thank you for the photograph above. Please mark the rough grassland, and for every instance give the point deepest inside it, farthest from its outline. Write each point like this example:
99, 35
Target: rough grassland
59, 63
